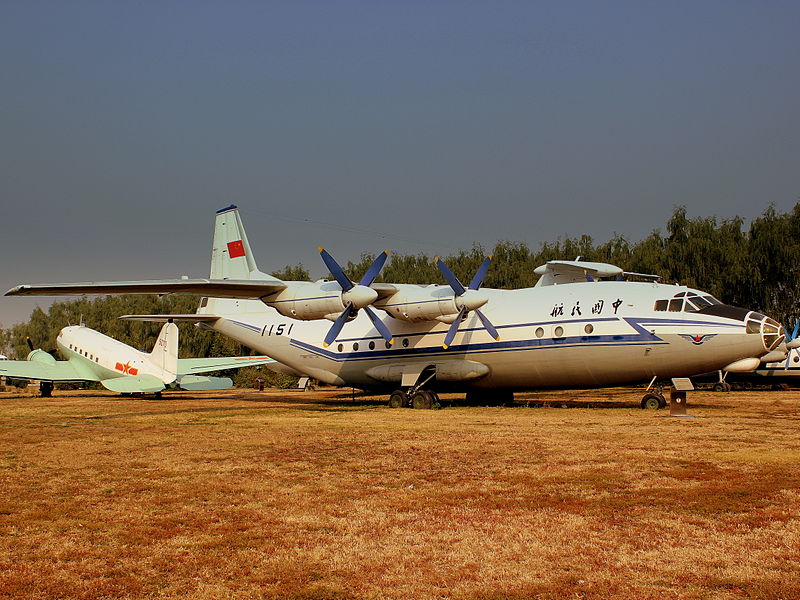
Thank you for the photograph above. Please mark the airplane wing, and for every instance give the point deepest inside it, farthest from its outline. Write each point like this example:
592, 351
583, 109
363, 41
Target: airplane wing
187, 318
204, 365
218, 288
61, 370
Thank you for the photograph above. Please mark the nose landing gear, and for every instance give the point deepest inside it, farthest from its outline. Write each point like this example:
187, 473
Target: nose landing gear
654, 400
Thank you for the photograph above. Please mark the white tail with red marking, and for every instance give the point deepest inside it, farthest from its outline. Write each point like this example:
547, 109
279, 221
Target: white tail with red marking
231, 256
164, 356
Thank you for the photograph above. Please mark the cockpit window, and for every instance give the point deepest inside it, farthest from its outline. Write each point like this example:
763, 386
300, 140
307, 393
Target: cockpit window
686, 302
675, 305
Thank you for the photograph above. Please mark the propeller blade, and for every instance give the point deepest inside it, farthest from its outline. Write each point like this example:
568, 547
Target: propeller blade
333, 332
488, 325
794, 333
451, 333
29, 342
379, 325
374, 269
477, 279
451, 279
335, 270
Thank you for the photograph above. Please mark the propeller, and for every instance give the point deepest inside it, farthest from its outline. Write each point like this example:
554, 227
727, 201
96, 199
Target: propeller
30, 343
356, 296
468, 299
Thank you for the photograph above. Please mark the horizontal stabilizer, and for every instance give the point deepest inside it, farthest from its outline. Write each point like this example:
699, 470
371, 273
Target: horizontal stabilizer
218, 288
142, 384
204, 365
189, 318
195, 383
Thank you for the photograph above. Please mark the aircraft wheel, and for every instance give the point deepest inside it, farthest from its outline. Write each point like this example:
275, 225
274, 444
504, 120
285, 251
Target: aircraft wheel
398, 399
652, 401
46, 389
421, 399
436, 403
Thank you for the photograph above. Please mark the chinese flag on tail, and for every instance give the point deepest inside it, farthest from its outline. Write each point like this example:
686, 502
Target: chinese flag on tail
235, 249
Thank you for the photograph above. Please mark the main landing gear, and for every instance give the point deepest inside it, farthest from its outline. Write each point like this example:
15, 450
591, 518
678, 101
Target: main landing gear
414, 399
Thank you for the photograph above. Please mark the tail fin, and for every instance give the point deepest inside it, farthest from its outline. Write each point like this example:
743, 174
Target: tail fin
165, 353
231, 256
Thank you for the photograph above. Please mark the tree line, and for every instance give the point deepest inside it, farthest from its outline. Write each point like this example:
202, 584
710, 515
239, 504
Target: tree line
756, 267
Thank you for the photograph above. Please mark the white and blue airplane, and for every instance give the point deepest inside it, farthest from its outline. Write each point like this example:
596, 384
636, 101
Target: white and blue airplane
581, 325
93, 356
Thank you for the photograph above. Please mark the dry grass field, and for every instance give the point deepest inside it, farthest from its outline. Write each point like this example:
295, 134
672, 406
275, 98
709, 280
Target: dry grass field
315, 496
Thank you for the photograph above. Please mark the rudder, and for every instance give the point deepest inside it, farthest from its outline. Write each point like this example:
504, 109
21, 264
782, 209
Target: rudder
165, 353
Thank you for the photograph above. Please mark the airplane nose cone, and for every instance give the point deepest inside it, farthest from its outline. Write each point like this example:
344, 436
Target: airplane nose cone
359, 296
772, 333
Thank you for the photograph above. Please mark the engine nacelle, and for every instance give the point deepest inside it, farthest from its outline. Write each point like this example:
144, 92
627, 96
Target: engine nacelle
307, 300
420, 303
41, 356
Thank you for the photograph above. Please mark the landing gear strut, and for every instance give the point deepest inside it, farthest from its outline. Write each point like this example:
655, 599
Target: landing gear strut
654, 397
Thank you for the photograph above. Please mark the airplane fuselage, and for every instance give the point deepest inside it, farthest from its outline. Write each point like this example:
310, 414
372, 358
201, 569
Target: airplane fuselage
101, 357
570, 335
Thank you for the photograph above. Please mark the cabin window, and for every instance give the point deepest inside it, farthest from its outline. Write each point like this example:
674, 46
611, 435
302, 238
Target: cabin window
387, 344
355, 346
341, 347
405, 342
558, 332
661, 305
589, 328
372, 345
539, 332
675, 305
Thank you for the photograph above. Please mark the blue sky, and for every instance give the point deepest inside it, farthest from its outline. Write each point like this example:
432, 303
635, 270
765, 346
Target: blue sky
414, 126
